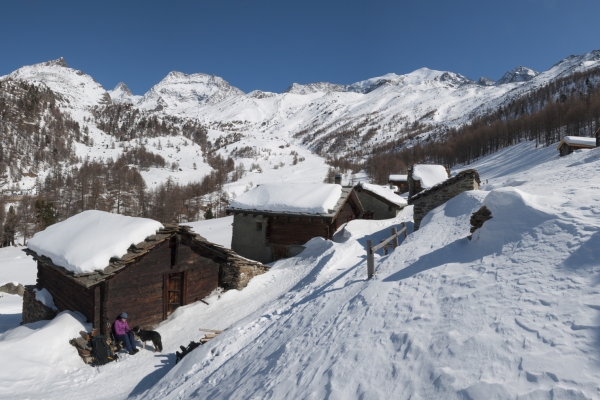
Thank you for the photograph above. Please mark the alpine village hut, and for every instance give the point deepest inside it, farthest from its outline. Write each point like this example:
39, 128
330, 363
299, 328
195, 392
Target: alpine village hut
274, 221
425, 176
381, 201
571, 143
400, 181
101, 264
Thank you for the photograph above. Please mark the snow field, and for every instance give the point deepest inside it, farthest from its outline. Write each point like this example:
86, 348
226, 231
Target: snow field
513, 313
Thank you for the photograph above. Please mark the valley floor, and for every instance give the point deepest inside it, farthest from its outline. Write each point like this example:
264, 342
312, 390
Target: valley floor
513, 313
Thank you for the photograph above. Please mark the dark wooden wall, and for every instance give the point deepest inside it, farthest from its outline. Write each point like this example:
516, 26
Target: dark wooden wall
283, 230
138, 290
67, 294
202, 274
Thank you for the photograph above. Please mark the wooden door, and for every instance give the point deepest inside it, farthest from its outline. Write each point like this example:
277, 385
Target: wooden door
173, 292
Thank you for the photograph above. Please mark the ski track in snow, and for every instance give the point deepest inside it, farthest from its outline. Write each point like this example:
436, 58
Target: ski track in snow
514, 312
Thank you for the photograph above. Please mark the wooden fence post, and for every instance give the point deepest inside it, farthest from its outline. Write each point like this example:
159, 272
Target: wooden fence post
405, 230
370, 260
395, 241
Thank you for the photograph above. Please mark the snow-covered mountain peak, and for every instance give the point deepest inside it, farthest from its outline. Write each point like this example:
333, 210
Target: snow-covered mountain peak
259, 94
122, 94
371, 84
60, 62
483, 81
316, 87
519, 74
75, 86
179, 91
122, 87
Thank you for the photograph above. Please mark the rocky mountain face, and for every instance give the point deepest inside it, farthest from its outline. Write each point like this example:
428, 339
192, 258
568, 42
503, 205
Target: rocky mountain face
519, 74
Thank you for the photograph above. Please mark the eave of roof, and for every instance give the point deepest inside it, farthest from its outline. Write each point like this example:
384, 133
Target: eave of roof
330, 216
359, 188
582, 145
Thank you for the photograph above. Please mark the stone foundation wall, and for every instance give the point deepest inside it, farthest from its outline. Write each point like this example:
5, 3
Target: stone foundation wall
436, 196
237, 276
34, 310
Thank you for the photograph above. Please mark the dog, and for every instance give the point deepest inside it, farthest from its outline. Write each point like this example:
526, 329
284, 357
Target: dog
146, 335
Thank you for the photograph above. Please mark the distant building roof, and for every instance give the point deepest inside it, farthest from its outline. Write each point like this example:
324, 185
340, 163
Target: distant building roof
429, 174
578, 141
300, 199
384, 194
398, 178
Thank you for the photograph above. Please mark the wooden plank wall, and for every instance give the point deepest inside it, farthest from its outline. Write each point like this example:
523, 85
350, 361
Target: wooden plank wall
295, 231
347, 214
202, 274
138, 289
67, 294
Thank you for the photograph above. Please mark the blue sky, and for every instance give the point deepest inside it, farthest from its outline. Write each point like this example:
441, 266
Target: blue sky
269, 44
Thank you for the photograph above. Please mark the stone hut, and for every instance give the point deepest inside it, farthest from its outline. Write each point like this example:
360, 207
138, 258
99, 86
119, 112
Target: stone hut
400, 181
382, 202
431, 198
571, 143
425, 176
274, 221
170, 268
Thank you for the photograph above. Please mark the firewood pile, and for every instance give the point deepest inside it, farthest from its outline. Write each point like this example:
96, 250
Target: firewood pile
83, 344
212, 333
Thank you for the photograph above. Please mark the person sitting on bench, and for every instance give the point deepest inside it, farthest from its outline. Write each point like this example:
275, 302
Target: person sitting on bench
124, 334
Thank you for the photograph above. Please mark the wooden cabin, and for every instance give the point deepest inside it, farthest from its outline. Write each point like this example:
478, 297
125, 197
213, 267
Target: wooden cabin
169, 269
381, 202
266, 234
400, 181
571, 143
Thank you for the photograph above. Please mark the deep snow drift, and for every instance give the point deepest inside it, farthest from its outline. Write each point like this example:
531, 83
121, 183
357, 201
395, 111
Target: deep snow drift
514, 312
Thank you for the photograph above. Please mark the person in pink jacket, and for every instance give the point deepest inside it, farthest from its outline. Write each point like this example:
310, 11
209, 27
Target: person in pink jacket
124, 334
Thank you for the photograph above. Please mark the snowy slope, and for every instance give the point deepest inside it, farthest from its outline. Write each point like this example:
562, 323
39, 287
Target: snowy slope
514, 312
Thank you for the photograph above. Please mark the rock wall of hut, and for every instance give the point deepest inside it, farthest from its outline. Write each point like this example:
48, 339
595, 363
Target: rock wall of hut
428, 200
34, 310
249, 237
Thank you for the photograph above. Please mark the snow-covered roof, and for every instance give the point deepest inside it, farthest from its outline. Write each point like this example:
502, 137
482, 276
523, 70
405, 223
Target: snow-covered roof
579, 141
385, 192
397, 178
307, 198
87, 241
429, 174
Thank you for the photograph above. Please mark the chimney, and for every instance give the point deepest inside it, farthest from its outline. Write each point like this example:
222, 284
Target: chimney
338, 179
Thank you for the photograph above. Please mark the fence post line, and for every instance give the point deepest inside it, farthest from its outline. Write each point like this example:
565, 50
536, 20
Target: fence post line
395, 241
370, 260
405, 230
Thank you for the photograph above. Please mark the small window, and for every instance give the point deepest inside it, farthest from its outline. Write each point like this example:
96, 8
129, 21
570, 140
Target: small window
259, 226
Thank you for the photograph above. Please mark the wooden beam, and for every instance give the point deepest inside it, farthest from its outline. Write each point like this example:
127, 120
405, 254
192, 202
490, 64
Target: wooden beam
370, 260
